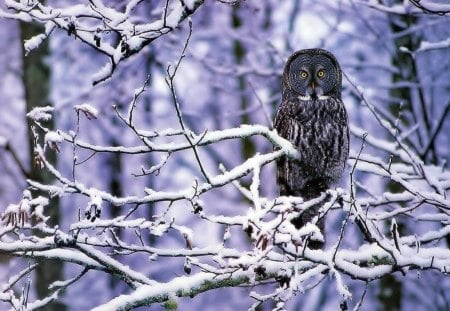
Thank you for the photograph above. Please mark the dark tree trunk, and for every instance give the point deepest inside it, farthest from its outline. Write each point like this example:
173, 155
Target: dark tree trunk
36, 82
391, 289
248, 147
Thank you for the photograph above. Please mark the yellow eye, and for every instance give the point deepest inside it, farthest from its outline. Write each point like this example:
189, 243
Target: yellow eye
303, 74
321, 73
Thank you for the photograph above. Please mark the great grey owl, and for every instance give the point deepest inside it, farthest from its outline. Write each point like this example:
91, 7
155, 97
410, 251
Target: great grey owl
313, 118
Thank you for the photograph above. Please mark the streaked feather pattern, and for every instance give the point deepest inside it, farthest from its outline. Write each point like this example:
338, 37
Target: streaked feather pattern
317, 125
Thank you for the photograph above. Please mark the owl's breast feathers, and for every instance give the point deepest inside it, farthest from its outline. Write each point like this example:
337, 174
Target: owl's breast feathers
319, 130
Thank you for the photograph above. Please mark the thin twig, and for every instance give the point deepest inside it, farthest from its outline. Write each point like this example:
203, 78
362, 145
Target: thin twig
170, 82
432, 139
17, 160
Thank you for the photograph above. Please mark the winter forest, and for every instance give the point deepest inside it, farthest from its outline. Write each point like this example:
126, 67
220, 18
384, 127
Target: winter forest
137, 156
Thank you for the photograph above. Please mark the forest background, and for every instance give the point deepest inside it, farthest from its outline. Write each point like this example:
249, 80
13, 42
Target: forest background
137, 159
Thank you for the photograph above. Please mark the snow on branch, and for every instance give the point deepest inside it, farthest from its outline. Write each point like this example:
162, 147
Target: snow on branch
428, 46
432, 7
278, 253
94, 23
414, 7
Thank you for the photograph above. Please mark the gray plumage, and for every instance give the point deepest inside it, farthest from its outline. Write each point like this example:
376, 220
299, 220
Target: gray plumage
313, 118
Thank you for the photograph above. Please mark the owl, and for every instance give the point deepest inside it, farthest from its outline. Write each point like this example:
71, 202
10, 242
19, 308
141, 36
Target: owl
313, 118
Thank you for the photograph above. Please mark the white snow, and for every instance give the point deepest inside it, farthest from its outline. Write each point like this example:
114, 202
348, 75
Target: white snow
190, 4
40, 113
53, 137
96, 201
34, 42
88, 109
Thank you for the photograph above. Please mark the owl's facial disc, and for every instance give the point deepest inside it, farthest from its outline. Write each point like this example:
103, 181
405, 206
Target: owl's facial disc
313, 76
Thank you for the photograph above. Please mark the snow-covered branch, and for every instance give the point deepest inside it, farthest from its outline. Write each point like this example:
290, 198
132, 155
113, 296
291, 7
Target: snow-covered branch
98, 25
409, 7
172, 195
278, 253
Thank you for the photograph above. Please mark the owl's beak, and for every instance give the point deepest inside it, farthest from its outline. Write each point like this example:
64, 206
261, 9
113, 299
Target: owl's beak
314, 90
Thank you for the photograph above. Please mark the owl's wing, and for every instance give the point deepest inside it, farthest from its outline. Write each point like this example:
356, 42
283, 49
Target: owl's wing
284, 123
283, 119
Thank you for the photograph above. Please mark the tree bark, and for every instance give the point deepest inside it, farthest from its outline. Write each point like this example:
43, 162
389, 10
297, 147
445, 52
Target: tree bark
36, 83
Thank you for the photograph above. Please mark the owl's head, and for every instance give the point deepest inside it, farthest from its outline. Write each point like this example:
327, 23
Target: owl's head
313, 73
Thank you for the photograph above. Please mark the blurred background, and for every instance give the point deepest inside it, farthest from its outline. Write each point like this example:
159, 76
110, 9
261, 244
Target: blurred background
231, 75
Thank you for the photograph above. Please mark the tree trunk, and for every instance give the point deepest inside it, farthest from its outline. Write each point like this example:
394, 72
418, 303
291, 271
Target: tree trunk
248, 147
36, 82
391, 290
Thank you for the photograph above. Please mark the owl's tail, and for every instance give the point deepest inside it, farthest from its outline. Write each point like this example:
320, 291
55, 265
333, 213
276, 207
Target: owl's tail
305, 217
312, 190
